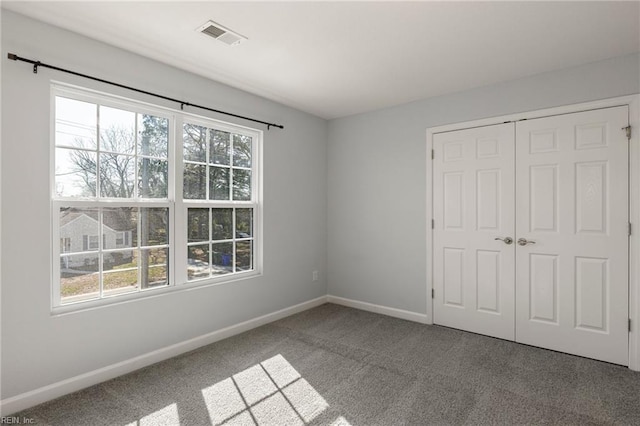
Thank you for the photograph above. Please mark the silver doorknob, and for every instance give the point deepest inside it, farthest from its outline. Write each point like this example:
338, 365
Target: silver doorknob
506, 240
524, 241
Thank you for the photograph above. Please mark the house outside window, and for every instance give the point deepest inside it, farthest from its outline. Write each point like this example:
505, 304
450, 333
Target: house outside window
174, 197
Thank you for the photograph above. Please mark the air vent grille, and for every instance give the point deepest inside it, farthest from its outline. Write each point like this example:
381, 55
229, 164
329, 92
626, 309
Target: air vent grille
221, 33
213, 31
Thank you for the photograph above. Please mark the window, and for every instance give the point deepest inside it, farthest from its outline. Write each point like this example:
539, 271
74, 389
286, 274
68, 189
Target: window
217, 188
173, 196
94, 242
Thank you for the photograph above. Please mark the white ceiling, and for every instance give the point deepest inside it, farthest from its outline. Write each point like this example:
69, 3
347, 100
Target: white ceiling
335, 59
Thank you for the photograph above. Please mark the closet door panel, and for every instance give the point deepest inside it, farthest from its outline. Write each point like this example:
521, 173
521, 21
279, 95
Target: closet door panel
473, 205
572, 214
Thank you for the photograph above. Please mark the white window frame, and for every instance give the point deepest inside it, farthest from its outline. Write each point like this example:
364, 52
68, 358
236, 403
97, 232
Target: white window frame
182, 205
177, 206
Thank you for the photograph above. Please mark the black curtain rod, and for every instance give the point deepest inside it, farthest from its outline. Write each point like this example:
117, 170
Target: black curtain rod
37, 64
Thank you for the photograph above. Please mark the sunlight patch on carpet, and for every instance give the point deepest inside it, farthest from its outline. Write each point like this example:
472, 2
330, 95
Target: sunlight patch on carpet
341, 421
271, 392
167, 416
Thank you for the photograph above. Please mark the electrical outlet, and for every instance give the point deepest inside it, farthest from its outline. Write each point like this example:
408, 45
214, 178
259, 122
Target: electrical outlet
314, 276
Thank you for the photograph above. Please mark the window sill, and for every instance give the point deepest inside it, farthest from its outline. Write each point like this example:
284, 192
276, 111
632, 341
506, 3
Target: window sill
89, 305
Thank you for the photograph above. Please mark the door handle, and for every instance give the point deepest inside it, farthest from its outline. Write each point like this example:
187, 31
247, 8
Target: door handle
524, 241
506, 240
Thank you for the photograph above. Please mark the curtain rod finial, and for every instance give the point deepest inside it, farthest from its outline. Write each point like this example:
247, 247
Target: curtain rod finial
12, 56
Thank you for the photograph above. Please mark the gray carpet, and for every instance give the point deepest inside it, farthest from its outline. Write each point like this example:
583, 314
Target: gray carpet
340, 366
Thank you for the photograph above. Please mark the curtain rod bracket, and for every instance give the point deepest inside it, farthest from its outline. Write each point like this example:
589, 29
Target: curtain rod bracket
35, 67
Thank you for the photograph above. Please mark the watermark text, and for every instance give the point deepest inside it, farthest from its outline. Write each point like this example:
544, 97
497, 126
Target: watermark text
15, 420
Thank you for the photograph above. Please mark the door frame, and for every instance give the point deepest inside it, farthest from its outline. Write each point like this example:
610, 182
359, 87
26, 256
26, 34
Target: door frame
633, 102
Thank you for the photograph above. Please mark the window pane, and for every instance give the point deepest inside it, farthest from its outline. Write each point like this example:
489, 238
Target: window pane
244, 255
154, 226
218, 183
153, 136
197, 225
194, 143
119, 227
244, 223
79, 278
241, 151
154, 264
117, 175
152, 178
120, 272
77, 224
76, 123
222, 224
75, 173
195, 182
220, 147
198, 262
222, 258
117, 130
241, 185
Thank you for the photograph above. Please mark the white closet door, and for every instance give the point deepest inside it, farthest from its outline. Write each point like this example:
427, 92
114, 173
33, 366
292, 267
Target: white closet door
473, 205
572, 208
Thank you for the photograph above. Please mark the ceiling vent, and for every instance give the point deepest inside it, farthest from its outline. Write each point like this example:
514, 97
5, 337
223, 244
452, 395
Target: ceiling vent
221, 33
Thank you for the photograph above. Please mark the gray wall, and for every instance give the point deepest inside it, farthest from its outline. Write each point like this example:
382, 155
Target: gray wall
38, 349
377, 170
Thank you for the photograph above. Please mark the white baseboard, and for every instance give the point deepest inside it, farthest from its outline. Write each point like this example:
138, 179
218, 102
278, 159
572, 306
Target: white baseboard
378, 309
46, 393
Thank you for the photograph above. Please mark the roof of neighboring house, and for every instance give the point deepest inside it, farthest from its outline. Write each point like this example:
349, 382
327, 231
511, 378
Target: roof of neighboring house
115, 219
